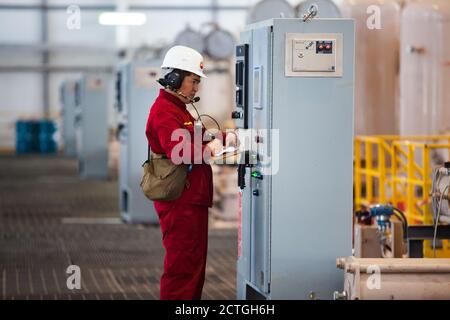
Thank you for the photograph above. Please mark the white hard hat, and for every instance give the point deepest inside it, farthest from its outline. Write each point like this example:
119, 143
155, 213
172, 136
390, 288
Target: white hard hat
184, 58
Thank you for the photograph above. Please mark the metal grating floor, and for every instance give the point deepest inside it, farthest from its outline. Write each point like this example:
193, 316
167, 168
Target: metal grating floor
45, 214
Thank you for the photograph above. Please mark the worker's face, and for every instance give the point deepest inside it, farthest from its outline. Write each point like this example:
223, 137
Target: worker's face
189, 86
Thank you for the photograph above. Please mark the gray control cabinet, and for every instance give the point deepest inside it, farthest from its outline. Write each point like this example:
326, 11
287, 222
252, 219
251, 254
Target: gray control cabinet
136, 90
91, 126
296, 78
67, 98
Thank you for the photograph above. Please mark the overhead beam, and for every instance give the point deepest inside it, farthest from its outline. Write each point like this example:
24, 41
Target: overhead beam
56, 48
112, 7
56, 69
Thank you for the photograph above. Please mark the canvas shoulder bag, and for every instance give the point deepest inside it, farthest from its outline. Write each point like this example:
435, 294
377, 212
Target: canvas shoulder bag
163, 180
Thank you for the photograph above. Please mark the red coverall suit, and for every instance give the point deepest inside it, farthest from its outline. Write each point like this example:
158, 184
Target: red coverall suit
184, 221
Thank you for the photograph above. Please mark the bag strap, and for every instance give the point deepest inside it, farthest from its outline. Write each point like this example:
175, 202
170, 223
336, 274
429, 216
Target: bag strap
158, 156
154, 155
148, 157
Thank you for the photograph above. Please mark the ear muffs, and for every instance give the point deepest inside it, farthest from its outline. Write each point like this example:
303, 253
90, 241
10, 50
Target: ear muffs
174, 80
162, 82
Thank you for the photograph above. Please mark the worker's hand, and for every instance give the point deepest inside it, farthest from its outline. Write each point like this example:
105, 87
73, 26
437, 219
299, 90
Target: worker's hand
215, 146
231, 139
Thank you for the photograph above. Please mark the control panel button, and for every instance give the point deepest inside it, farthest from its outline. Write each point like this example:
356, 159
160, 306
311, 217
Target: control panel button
236, 115
257, 175
324, 47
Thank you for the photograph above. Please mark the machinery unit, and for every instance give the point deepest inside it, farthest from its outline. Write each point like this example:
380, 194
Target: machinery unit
432, 238
136, 89
394, 279
67, 98
91, 126
440, 194
383, 238
294, 94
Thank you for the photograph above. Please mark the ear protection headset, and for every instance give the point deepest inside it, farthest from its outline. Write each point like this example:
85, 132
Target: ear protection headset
173, 79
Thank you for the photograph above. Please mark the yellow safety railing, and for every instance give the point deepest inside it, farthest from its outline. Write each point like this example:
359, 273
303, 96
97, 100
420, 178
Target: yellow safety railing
371, 170
397, 170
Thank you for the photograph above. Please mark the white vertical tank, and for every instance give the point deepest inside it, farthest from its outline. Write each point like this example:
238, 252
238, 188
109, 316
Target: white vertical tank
425, 68
376, 65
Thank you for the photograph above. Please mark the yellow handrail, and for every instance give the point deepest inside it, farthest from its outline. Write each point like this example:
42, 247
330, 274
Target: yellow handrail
397, 170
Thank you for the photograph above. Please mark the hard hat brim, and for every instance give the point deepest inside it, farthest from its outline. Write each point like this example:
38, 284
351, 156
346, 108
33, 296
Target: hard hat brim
200, 74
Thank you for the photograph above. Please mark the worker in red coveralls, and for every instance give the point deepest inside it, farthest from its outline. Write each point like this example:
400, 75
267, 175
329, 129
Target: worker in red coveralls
184, 221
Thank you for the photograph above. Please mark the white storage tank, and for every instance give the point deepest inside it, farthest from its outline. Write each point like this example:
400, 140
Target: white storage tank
425, 68
376, 65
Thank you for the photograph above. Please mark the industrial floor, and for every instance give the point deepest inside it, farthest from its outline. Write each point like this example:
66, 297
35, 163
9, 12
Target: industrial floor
50, 219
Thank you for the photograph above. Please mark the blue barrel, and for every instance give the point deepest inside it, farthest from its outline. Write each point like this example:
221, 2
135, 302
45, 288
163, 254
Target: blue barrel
22, 145
33, 136
47, 143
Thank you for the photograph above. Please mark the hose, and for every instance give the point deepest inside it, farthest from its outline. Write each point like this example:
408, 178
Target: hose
401, 216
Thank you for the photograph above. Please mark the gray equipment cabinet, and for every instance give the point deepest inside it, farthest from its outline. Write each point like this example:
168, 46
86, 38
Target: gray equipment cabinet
67, 98
136, 90
91, 126
296, 78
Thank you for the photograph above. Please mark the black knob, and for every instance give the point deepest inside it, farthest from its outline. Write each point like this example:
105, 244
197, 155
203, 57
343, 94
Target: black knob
236, 115
256, 192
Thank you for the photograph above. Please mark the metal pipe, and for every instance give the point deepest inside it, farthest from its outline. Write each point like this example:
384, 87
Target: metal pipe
191, 8
394, 265
40, 47
56, 69
214, 10
55, 7
391, 268
112, 7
